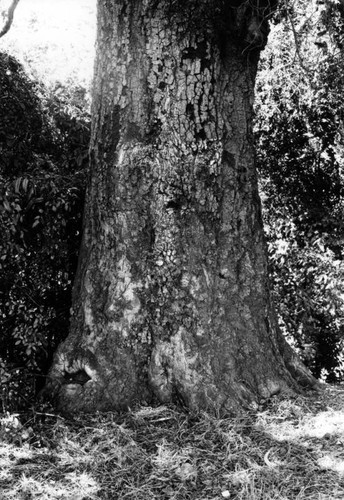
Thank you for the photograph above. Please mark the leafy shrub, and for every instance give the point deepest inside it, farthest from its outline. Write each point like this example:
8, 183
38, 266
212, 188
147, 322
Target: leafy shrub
308, 290
44, 142
299, 132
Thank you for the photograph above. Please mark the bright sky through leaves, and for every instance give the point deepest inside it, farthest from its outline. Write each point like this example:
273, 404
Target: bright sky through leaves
56, 37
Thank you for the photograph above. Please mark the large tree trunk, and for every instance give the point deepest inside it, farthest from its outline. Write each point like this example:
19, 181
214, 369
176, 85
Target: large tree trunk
171, 298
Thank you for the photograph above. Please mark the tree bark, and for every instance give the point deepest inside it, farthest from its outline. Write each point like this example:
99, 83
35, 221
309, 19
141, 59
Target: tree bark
171, 299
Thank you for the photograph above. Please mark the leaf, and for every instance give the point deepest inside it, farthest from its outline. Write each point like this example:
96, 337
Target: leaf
17, 185
25, 184
7, 206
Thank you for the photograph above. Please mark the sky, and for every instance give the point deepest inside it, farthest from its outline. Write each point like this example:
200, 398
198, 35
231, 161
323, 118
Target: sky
54, 39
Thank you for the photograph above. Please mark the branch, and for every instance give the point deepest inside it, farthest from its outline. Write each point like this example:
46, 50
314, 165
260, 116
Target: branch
306, 70
6, 16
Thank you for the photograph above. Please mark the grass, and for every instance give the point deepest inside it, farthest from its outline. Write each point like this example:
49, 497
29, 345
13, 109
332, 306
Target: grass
289, 449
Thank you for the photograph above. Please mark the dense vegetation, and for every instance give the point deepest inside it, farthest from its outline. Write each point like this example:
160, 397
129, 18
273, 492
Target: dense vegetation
44, 141
299, 132
44, 133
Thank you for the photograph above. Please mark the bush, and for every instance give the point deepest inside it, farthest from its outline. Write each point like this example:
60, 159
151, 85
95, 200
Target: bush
299, 133
44, 139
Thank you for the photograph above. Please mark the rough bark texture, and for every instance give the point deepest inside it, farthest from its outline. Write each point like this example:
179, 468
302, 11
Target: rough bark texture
171, 298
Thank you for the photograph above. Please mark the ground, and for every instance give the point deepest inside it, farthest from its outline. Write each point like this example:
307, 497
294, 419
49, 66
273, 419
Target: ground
288, 449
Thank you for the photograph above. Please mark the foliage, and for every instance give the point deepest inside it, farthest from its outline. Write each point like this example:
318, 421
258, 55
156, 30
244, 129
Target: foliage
288, 449
299, 131
44, 141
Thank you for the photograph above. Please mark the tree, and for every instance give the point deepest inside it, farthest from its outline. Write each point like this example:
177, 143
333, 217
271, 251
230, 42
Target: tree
171, 298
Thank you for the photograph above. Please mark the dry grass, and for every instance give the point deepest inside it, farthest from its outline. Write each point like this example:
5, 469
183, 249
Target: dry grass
290, 449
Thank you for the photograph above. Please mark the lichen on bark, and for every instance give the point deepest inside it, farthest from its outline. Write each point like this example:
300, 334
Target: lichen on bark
171, 299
